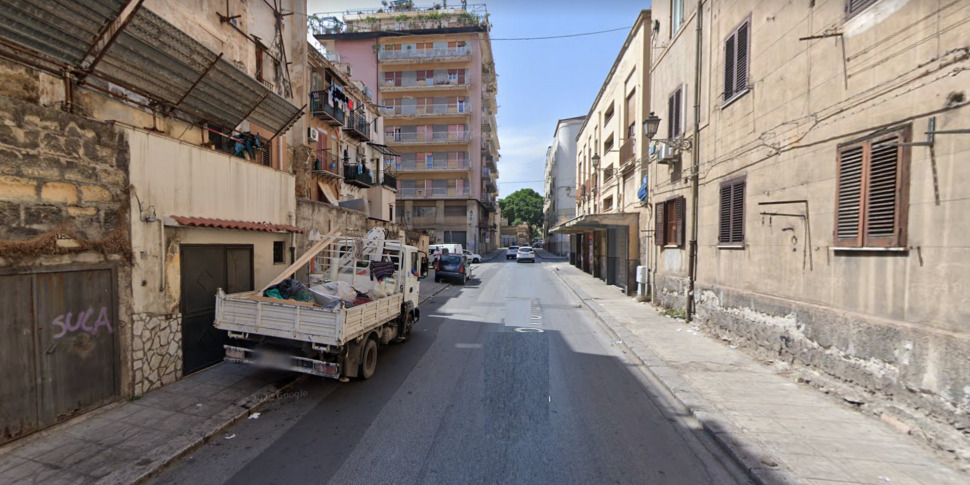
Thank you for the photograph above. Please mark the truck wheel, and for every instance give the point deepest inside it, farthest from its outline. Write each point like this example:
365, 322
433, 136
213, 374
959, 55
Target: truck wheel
368, 360
408, 325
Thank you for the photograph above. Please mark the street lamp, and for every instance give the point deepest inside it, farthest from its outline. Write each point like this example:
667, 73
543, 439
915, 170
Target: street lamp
650, 127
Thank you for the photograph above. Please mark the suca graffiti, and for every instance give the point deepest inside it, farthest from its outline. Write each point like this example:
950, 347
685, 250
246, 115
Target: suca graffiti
66, 323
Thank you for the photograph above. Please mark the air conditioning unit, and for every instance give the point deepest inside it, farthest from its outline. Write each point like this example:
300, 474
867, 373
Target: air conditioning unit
667, 154
313, 135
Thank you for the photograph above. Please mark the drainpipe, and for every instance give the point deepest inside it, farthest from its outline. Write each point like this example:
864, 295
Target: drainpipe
695, 168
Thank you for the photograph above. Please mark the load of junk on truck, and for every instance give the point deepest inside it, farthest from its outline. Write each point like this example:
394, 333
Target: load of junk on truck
328, 313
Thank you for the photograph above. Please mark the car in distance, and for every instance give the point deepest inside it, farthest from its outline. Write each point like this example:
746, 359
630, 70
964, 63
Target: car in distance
511, 252
453, 267
525, 253
473, 257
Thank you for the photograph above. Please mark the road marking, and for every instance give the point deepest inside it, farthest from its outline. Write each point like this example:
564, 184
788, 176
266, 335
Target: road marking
529, 330
468, 346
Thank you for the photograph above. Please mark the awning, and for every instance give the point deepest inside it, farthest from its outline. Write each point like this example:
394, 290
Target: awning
596, 222
230, 224
386, 150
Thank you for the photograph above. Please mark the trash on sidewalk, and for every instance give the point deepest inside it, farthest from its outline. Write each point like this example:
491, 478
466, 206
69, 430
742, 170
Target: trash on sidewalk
254, 416
230, 436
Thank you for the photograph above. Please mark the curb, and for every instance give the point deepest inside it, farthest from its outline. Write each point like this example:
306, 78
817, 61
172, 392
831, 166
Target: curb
433, 294
752, 457
160, 457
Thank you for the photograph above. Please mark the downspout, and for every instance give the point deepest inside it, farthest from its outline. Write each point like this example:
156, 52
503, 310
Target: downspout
695, 169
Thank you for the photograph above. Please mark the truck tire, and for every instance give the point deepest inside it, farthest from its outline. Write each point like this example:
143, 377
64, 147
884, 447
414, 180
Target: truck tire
368, 359
408, 325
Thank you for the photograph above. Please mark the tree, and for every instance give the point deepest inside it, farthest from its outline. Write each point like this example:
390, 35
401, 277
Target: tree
522, 206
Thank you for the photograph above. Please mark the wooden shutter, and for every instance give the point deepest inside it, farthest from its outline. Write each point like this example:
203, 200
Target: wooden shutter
882, 207
854, 6
724, 224
737, 212
658, 223
678, 110
848, 219
741, 59
681, 202
670, 116
729, 73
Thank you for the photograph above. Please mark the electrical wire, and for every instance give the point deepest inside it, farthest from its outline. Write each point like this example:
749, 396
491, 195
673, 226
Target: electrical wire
564, 36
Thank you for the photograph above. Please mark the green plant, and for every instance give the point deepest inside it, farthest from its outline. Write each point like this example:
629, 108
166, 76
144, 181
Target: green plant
675, 313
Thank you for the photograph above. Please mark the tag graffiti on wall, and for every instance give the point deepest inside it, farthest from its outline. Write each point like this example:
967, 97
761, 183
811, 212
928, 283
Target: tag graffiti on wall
66, 324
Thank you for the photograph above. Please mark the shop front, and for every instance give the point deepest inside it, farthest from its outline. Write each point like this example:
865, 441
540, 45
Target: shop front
606, 246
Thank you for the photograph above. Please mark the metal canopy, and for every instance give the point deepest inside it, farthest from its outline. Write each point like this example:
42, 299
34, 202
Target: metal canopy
384, 149
150, 56
596, 222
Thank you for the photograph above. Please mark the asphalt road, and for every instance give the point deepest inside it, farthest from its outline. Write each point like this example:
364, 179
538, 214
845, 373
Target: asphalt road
506, 380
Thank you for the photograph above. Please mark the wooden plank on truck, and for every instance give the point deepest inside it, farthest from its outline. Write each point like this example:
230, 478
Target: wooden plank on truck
329, 238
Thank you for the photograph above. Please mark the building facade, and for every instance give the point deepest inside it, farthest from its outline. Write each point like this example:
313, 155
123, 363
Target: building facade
605, 235
142, 169
434, 76
560, 201
827, 213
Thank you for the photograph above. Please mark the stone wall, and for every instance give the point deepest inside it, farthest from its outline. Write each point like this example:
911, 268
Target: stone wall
156, 351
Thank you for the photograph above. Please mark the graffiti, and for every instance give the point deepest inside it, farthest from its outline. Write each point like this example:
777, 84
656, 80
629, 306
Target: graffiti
66, 325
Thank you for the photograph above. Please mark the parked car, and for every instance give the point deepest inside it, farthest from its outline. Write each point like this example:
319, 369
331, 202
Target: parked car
525, 253
453, 267
473, 257
511, 252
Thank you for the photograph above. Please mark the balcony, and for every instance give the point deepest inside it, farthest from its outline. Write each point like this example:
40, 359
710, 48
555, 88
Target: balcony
320, 108
628, 150
360, 178
433, 55
490, 162
436, 138
327, 164
434, 166
389, 182
357, 126
428, 111
434, 193
438, 84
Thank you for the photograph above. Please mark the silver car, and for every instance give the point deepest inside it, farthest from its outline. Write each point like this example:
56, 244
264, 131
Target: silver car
525, 253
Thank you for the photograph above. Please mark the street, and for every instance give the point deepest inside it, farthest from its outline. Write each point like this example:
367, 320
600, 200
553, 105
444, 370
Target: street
506, 380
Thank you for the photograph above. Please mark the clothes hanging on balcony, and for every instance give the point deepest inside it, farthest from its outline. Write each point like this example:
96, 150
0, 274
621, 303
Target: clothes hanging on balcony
246, 143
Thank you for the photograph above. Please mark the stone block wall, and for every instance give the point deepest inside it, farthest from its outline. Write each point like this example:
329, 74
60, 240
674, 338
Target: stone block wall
156, 351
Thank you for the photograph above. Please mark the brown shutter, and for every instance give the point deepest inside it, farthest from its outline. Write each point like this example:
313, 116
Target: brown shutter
882, 204
724, 224
679, 209
658, 223
678, 110
849, 197
670, 117
741, 62
737, 212
729, 75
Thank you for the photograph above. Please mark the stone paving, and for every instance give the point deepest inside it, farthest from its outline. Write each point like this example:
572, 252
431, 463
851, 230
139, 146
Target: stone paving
781, 431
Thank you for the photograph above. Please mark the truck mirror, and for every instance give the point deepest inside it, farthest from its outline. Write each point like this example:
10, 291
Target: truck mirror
424, 267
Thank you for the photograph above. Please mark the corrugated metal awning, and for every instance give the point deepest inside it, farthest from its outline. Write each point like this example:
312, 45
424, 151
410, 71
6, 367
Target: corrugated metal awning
386, 150
149, 56
596, 222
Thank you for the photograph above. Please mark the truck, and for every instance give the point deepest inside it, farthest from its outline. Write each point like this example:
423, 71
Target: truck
330, 336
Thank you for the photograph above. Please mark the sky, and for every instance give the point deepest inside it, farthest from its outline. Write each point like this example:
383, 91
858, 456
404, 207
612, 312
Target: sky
539, 81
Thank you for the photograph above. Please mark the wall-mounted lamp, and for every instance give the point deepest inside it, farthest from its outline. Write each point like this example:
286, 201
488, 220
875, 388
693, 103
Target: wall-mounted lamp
650, 127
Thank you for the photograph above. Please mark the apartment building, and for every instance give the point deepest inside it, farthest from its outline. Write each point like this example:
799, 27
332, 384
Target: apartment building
147, 158
814, 158
434, 76
559, 204
605, 235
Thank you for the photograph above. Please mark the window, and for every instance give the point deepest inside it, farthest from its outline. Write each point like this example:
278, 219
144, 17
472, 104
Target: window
736, 62
278, 250
873, 191
669, 222
731, 224
675, 109
399, 213
424, 212
608, 203
455, 211
853, 7
608, 115
676, 16
608, 144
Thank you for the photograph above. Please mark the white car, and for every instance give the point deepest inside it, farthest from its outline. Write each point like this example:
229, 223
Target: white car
525, 253
474, 258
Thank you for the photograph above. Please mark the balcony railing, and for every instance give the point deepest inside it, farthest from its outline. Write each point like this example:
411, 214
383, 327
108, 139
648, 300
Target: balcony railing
433, 193
407, 54
436, 165
357, 126
389, 181
327, 163
437, 84
323, 110
437, 138
427, 111
628, 150
357, 176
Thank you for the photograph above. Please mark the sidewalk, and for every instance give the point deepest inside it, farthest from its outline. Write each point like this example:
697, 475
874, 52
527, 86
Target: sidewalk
546, 255
128, 441
781, 432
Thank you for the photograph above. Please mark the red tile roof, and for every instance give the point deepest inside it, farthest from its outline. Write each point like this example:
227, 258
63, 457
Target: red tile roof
241, 225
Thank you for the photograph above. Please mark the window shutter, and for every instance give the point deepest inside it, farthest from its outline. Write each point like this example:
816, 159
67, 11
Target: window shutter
737, 212
741, 63
658, 223
678, 104
670, 117
729, 75
882, 210
849, 197
724, 226
679, 209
